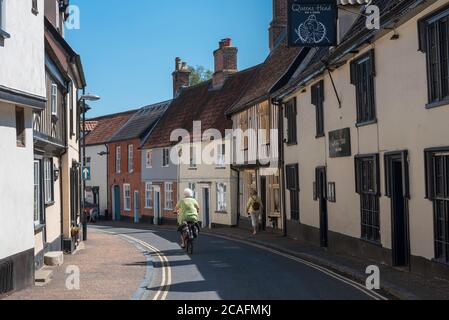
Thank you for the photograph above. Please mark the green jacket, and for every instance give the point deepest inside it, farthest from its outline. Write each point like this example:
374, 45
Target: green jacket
187, 211
251, 201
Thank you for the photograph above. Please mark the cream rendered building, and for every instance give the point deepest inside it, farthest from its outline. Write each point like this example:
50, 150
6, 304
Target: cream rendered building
365, 180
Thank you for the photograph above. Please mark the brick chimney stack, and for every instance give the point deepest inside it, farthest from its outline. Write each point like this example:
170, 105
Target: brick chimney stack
225, 62
181, 76
279, 23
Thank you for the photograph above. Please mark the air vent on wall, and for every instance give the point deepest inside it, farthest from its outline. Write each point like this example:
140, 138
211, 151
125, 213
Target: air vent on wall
6, 277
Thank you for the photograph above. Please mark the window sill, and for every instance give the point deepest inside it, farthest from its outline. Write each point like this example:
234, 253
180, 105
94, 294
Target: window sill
440, 262
221, 212
291, 144
193, 169
220, 168
437, 104
4, 35
38, 228
49, 204
319, 136
365, 123
374, 243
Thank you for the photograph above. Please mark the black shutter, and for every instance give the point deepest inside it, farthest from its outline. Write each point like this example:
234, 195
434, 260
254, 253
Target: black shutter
354, 73
422, 36
377, 174
358, 175
388, 164
405, 174
372, 63
429, 175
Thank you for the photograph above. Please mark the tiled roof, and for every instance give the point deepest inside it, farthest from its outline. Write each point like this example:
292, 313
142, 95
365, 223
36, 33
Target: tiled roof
200, 103
90, 125
106, 127
141, 122
270, 72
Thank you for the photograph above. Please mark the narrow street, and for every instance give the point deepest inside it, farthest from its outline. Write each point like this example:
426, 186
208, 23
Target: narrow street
221, 269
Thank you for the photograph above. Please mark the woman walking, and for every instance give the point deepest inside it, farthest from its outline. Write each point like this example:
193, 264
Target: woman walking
254, 208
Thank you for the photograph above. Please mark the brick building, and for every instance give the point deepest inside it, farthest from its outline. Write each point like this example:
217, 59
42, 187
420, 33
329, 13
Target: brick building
124, 162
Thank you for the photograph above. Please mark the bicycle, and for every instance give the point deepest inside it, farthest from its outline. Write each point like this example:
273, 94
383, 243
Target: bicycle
189, 233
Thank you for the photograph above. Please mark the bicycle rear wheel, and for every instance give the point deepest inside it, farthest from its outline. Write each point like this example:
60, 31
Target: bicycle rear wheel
189, 247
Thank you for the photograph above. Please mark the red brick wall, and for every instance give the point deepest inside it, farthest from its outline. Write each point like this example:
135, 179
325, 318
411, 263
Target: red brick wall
124, 177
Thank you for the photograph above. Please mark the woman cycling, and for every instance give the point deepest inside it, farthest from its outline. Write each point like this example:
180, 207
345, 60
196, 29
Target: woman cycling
188, 212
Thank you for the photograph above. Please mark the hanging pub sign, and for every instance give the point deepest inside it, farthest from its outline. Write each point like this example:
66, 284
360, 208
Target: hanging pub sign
312, 23
340, 143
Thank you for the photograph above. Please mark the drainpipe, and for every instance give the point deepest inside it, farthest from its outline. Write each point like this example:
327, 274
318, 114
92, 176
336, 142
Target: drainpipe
238, 193
280, 105
107, 182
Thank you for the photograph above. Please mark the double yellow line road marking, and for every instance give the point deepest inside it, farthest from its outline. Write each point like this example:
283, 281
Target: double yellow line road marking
166, 281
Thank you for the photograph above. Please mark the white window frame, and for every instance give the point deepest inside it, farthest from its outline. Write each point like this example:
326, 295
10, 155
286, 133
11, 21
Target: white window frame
222, 190
165, 156
54, 99
130, 158
192, 186
48, 181
118, 159
127, 197
149, 159
221, 155
168, 189
148, 195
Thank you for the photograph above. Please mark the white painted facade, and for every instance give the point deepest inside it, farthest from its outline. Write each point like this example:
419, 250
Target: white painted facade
98, 175
16, 185
22, 70
22, 55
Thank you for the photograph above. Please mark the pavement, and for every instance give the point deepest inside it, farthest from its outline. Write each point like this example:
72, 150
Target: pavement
395, 283
110, 268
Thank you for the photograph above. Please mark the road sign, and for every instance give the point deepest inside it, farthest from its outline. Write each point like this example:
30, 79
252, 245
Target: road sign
86, 173
312, 23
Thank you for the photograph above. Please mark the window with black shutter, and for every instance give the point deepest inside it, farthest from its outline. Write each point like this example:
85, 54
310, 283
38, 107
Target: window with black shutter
20, 127
434, 41
437, 175
290, 114
292, 181
318, 101
363, 72
368, 187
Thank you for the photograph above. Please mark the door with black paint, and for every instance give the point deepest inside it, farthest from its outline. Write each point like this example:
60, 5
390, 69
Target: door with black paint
321, 193
396, 165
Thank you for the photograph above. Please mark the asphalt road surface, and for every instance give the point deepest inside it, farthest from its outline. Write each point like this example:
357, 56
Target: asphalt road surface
222, 269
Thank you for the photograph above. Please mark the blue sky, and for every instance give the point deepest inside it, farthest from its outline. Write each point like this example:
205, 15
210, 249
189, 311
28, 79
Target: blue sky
128, 47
